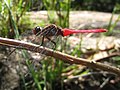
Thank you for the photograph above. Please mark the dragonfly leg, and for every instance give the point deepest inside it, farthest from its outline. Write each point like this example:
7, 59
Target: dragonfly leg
42, 41
11, 52
51, 41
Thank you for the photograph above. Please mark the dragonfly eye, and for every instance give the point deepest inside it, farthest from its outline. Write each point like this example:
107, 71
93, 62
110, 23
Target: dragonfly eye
37, 29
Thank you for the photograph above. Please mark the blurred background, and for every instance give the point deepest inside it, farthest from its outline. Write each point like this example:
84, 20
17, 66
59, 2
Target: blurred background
24, 70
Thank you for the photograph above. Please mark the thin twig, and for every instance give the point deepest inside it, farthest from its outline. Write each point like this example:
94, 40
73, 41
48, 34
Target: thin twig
57, 54
107, 57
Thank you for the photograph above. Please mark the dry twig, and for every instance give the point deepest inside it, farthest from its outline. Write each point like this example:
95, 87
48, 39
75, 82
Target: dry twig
57, 54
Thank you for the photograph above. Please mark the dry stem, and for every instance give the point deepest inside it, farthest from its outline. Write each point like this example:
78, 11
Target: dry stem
57, 54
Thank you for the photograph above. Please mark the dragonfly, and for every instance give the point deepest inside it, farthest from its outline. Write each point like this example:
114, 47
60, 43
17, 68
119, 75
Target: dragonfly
53, 30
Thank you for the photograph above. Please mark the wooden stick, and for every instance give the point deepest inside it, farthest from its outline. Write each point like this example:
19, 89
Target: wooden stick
57, 54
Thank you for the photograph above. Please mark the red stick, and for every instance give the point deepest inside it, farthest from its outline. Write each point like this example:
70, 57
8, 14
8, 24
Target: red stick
71, 31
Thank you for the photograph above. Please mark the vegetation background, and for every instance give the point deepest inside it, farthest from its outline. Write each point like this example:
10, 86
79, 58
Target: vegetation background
20, 71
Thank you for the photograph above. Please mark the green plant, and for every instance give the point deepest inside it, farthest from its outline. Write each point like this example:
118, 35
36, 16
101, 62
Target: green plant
10, 14
112, 25
59, 8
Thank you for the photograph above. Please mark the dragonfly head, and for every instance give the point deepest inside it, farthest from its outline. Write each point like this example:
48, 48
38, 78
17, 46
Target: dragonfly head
37, 30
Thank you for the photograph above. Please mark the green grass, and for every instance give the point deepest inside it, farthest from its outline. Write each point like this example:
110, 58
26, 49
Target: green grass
112, 24
10, 16
52, 69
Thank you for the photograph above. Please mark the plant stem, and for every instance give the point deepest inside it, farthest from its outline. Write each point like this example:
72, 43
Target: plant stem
59, 55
